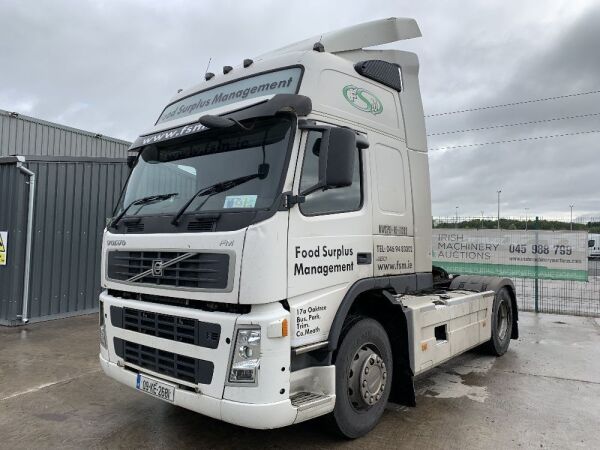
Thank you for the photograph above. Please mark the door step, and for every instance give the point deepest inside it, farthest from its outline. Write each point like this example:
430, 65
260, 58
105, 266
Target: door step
306, 400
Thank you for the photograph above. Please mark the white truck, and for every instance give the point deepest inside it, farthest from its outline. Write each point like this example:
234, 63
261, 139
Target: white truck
269, 260
593, 246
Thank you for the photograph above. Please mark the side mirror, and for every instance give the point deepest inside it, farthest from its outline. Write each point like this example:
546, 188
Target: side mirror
131, 159
336, 151
210, 121
591, 243
338, 158
263, 171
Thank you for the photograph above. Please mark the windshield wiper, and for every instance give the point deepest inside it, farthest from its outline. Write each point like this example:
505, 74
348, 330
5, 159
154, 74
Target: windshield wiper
142, 201
216, 188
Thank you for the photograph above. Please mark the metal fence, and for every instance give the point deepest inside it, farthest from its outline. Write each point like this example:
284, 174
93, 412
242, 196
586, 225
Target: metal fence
562, 297
553, 296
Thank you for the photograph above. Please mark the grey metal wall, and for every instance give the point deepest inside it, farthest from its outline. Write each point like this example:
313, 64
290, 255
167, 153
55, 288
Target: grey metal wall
74, 196
13, 218
22, 135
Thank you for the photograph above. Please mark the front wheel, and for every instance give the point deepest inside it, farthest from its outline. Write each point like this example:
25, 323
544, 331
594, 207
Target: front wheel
502, 320
363, 378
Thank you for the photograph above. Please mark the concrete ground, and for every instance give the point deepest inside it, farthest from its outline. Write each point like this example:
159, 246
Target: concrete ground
544, 393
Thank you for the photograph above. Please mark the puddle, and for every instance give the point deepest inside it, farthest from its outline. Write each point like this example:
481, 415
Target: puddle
460, 381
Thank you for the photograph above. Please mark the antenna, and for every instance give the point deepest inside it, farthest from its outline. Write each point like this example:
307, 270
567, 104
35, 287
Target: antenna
208, 65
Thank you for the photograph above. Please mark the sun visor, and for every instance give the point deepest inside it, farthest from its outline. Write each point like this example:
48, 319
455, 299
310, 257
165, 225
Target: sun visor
299, 105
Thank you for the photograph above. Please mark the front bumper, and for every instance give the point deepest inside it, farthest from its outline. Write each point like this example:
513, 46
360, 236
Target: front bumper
263, 405
259, 416
269, 403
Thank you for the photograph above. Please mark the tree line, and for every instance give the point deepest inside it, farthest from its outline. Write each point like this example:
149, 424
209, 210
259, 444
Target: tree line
516, 224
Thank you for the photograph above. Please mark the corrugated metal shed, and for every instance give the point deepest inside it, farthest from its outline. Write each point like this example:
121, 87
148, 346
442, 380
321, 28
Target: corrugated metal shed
13, 213
22, 135
79, 176
73, 199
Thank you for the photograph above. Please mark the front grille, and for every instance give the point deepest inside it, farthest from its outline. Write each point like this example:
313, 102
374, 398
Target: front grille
179, 329
190, 270
192, 370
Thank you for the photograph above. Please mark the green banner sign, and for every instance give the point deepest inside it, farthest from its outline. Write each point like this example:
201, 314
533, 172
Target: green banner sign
551, 255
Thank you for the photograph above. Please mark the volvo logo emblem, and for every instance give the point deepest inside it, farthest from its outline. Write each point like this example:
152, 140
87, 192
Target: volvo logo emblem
157, 268
116, 243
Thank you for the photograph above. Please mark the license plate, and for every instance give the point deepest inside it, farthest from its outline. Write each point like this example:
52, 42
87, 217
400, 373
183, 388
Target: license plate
156, 388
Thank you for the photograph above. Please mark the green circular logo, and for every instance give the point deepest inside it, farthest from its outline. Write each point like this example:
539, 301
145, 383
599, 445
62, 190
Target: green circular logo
362, 99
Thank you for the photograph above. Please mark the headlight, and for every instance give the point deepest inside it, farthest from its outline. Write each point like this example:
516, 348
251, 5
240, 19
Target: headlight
102, 326
246, 356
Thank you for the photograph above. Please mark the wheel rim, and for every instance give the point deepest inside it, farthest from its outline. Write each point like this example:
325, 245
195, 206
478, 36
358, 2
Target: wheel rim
366, 378
502, 321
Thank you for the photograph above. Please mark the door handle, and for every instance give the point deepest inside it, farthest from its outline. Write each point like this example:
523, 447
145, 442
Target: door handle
363, 258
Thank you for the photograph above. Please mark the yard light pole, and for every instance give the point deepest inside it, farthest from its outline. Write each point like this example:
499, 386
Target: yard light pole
526, 217
571, 206
457, 215
482, 220
498, 191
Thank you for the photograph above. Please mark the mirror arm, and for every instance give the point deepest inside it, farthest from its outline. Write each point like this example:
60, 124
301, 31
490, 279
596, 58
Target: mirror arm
132, 160
239, 124
361, 141
312, 189
289, 200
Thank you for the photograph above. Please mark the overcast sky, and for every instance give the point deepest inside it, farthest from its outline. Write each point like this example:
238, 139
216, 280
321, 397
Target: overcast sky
111, 66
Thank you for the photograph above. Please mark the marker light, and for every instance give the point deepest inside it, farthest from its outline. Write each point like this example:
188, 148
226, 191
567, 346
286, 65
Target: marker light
284, 328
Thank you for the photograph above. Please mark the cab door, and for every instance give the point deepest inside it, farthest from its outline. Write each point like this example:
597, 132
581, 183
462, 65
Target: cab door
393, 230
330, 243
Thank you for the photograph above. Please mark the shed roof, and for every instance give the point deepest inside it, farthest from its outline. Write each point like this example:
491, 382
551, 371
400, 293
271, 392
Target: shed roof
28, 136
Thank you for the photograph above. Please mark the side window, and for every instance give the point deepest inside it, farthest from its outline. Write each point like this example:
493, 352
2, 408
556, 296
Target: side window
330, 201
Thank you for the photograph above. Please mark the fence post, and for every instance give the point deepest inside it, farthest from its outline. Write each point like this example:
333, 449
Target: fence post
536, 291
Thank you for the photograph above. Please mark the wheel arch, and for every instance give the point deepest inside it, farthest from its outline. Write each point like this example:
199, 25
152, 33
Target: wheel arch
395, 284
370, 299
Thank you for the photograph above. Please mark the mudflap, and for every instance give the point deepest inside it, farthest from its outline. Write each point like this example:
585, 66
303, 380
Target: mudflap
403, 389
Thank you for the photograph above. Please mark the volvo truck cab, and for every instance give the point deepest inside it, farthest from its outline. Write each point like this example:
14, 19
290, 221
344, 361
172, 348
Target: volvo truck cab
269, 260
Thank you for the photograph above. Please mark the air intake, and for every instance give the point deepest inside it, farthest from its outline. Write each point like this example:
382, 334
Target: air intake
134, 227
206, 225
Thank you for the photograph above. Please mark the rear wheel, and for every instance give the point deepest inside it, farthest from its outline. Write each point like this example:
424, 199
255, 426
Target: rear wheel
502, 319
363, 377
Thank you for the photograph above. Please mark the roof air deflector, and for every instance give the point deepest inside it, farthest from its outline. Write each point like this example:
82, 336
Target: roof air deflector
368, 34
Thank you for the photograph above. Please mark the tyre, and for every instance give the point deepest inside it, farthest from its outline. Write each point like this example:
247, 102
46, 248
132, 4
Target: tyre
363, 377
502, 322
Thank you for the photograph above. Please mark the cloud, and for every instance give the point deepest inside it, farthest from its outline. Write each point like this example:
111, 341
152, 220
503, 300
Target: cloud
110, 67
544, 175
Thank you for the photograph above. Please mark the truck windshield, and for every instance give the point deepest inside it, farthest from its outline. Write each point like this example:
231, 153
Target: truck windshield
212, 158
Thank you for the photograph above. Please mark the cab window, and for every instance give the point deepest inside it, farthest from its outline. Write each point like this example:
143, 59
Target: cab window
331, 201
